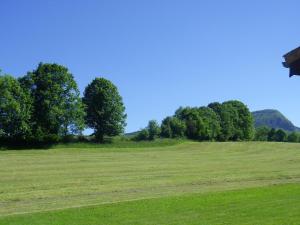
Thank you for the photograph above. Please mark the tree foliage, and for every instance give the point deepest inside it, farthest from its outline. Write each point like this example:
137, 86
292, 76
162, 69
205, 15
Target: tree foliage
243, 123
193, 121
57, 106
235, 119
153, 129
271, 134
226, 115
293, 137
142, 135
172, 127
15, 110
211, 124
280, 135
261, 134
201, 123
105, 111
45, 105
229, 121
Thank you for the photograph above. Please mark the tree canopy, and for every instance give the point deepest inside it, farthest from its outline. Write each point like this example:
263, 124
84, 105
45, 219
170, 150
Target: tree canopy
193, 121
201, 123
229, 121
57, 106
153, 129
105, 111
243, 120
15, 109
235, 119
45, 105
172, 127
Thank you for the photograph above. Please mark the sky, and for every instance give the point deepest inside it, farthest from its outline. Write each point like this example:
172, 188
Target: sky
161, 54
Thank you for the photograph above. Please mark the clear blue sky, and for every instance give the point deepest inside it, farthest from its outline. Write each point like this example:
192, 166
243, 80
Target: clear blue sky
161, 54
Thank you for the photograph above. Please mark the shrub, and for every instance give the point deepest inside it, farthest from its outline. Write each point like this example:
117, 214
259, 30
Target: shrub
142, 135
293, 137
261, 134
280, 135
153, 129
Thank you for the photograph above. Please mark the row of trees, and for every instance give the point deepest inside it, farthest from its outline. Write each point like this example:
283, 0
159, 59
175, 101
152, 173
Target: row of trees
276, 135
229, 121
45, 106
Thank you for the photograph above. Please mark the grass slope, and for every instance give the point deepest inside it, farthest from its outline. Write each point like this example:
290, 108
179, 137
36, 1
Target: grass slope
42, 180
275, 205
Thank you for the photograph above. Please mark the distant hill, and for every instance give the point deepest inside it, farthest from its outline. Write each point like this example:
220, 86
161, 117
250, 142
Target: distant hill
273, 119
131, 134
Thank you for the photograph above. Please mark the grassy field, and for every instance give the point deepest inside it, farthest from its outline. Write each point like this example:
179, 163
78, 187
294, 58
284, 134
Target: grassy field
276, 205
187, 183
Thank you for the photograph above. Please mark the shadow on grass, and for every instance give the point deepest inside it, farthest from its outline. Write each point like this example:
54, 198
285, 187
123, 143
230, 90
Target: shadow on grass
108, 142
26, 146
21, 145
48, 143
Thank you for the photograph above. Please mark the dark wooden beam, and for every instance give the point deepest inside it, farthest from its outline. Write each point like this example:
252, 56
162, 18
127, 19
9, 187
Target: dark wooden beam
292, 61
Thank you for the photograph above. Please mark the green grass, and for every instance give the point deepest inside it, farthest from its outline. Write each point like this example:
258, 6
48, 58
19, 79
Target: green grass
276, 205
105, 179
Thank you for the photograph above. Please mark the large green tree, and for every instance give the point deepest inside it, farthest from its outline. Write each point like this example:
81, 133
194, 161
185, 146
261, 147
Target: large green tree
235, 119
57, 106
105, 111
201, 123
15, 110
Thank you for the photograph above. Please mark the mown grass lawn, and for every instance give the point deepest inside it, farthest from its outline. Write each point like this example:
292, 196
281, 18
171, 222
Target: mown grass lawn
275, 205
187, 183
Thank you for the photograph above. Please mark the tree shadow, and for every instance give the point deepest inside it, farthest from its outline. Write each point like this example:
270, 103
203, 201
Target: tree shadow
26, 146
